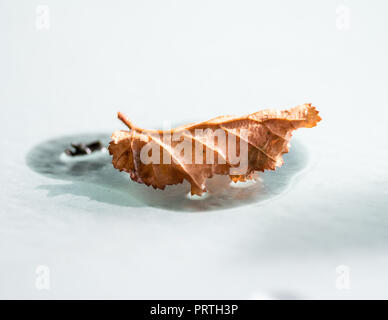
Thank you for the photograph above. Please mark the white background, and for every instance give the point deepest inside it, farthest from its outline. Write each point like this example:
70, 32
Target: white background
193, 60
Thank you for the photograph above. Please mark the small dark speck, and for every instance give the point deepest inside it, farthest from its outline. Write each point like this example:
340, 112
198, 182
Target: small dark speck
84, 149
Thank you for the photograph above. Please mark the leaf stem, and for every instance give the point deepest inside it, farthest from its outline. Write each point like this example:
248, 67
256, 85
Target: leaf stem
125, 120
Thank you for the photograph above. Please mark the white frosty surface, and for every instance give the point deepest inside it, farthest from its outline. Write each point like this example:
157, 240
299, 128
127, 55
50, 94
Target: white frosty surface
194, 60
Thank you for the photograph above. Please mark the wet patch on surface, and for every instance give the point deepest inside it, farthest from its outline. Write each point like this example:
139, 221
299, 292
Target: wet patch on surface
90, 173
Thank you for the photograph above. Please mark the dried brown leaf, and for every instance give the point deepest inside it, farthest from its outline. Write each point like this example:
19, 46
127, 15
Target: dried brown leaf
267, 136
